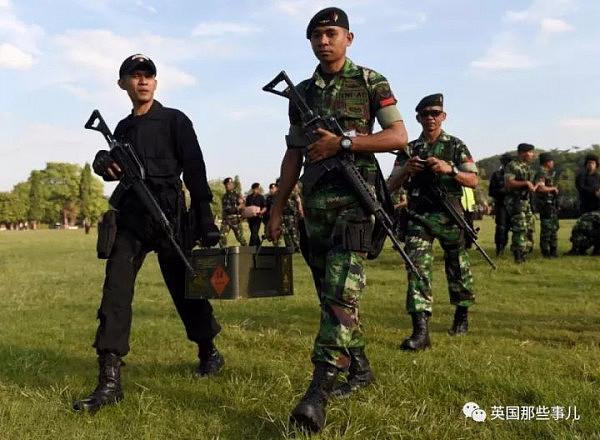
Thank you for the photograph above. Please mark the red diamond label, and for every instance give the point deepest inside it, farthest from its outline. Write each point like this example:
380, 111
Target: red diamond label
219, 280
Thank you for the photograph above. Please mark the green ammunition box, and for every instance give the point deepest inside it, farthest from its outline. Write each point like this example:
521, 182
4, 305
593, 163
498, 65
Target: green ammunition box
241, 272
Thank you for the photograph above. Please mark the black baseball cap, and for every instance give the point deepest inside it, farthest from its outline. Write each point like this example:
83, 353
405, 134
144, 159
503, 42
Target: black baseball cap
135, 62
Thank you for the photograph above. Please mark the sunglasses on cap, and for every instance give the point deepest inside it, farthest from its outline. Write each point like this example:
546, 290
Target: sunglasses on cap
434, 113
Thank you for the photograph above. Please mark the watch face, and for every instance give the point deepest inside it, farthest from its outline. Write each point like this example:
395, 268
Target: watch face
346, 143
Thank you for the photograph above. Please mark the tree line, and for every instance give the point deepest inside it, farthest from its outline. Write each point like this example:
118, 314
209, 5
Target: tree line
62, 194
67, 194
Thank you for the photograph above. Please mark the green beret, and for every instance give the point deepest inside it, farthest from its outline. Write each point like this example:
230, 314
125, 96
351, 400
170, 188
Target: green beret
436, 99
591, 156
525, 147
546, 157
328, 17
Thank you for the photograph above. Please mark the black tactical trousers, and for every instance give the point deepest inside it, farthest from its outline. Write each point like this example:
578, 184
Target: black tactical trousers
254, 224
115, 309
502, 225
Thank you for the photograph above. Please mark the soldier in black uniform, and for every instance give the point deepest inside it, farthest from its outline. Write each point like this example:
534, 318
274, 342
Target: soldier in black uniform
165, 141
497, 191
255, 198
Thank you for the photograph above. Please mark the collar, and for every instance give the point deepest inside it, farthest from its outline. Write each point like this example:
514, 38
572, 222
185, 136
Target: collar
154, 109
349, 70
443, 137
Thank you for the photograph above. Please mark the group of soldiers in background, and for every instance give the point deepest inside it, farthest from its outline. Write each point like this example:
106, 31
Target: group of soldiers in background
515, 188
255, 208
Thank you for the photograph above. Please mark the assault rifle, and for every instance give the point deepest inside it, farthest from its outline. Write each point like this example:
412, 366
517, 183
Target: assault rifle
133, 176
439, 191
342, 161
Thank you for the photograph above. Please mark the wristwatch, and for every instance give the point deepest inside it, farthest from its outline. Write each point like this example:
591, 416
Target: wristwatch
346, 143
454, 171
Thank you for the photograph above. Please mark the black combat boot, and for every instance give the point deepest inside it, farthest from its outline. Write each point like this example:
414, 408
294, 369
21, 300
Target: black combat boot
359, 374
309, 414
109, 389
553, 252
460, 326
211, 361
419, 340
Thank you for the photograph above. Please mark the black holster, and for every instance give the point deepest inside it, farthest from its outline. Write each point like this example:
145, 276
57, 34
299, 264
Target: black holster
107, 232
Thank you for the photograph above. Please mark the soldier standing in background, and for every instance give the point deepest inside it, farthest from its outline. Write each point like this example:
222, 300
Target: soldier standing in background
519, 187
257, 201
435, 154
498, 191
338, 228
292, 213
231, 203
586, 231
547, 197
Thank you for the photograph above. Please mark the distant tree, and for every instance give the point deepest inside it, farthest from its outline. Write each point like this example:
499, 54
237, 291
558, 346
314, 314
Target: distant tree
237, 184
20, 193
85, 192
60, 182
7, 209
36, 199
217, 188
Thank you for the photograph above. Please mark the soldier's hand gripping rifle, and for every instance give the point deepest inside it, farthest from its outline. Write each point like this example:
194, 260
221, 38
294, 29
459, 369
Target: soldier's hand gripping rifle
342, 161
133, 176
439, 190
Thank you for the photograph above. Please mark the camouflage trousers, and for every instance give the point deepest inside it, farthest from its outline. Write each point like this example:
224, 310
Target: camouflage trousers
233, 222
336, 264
289, 230
422, 229
548, 230
522, 224
586, 231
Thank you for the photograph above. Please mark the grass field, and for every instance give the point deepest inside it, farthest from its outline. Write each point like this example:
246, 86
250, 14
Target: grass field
534, 341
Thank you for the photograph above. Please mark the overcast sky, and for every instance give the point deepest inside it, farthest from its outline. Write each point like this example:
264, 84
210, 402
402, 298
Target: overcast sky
511, 71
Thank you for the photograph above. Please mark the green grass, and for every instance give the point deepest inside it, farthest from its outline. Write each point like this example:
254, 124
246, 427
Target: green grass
534, 340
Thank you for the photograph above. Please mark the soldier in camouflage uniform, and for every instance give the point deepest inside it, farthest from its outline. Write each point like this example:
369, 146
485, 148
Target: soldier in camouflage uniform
586, 232
231, 218
338, 228
547, 198
435, 158
292, 212
519, 186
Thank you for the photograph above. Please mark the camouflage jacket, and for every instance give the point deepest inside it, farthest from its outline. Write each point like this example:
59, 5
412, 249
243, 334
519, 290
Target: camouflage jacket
353, 97
292, 206
548, 177
230, 202
448, 148
521, 171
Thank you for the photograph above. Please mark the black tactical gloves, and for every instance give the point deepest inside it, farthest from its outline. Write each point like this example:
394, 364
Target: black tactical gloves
105, 166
